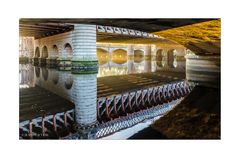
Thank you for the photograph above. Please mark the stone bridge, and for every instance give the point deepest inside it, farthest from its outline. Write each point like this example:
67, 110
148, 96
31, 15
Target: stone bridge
77, 47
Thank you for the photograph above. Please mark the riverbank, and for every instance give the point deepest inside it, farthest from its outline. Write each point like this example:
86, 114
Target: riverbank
196, 117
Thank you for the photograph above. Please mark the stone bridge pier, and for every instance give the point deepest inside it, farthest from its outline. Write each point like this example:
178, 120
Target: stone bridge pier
74, 52
84, 69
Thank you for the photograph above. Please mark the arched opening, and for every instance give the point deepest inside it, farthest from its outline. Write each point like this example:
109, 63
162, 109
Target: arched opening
55, 50
37, 52
103, 56
44, 52
172, 58
45, 73
68, 50
159, 58
138, 56
119, 56
69, 82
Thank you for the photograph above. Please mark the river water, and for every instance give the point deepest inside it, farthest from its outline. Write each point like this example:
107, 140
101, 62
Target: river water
36, 81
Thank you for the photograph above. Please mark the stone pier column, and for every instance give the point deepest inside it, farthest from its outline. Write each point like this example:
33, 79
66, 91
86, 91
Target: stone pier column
84, 59
203, 70
147, 59
84, 70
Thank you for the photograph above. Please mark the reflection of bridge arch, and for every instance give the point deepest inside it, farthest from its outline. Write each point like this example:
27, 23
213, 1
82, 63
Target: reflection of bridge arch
37, 72
159, 57
44, 52
55, 77
103, 56
45, 73
119, 56
138, 56
68, 83
37, 52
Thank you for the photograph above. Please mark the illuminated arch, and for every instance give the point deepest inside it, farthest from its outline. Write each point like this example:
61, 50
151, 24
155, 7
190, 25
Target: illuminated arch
119, 56
103, 56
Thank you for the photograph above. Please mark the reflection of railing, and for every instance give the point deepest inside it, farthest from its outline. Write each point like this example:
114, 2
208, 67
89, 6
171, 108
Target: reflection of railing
165, 98
114, 113
112, 107
53, 126
156, 101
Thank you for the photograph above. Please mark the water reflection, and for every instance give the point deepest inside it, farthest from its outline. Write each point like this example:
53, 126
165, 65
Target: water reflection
82, 89
26, 75
119, 62
129, 67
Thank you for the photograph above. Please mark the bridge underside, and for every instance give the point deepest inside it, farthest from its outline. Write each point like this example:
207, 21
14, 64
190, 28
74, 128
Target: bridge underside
46, 27
202, 59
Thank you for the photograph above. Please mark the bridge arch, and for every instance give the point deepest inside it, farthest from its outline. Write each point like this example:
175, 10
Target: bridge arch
55, 50
68, 49
119, 56
138, 55
37, 52
159, 57
44, 52
103, 56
